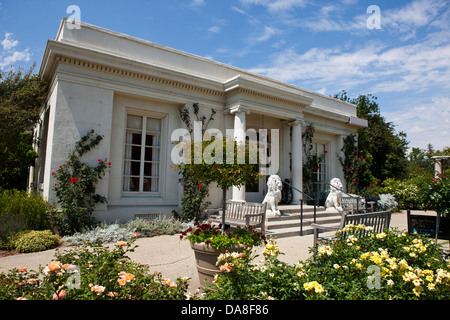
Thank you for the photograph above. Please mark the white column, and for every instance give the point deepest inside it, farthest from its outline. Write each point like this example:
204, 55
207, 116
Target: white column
286, 149
297, 160
239, 113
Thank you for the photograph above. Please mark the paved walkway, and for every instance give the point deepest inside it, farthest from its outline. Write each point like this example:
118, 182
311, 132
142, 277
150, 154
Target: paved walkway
174, 257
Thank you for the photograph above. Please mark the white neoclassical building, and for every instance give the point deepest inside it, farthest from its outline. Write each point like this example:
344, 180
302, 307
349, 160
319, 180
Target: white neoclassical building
131, 90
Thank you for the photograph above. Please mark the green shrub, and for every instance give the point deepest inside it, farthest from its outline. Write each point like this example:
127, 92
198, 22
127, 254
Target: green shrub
20, 211
34, 241
9, 242
408, 192
160, 226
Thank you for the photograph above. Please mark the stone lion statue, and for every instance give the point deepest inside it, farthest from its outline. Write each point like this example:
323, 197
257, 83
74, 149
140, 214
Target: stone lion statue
335, 195
273, 195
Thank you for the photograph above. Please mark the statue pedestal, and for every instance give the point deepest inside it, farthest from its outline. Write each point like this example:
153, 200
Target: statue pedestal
272, 214
332, 210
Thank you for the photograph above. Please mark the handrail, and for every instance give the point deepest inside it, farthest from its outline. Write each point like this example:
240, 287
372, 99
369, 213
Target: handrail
310, 198
301, 206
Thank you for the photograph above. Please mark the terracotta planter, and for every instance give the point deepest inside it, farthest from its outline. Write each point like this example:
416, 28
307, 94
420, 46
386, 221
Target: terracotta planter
206, 258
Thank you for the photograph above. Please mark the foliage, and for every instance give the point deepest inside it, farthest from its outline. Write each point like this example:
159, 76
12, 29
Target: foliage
20, 211
311, 160
437, 195
378, 266
75, 188
205, 233
387, 201
91, 272
160, 226
386, 147
356, 166
34, 241
15, 161
22, 96
193, 199
195, 191
125, 232
224, 172
101, 234
409, 192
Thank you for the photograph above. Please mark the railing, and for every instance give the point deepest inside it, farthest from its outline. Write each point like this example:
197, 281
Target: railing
301, 205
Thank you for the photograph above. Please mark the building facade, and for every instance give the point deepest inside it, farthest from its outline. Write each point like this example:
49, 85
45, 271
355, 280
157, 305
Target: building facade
130, 91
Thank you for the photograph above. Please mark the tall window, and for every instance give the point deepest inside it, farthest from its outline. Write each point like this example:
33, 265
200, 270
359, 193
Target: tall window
142, 154
321, 152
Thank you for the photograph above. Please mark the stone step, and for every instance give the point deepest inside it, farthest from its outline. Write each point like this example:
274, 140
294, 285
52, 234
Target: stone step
296, 216
296, 223
288, 223
294, 231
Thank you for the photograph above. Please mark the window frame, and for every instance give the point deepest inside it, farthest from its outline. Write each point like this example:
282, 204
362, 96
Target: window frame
162, 150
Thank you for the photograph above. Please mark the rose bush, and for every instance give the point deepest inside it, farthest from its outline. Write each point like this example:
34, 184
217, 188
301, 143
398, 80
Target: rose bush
436, 195
75, 188
91, 272
380, 266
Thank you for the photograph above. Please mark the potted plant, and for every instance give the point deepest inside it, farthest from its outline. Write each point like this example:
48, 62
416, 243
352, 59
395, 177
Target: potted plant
209, 242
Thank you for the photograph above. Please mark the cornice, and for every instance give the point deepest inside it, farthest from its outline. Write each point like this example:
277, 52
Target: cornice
137, 75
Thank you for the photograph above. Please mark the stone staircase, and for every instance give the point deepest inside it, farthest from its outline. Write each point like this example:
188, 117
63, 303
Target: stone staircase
288, 224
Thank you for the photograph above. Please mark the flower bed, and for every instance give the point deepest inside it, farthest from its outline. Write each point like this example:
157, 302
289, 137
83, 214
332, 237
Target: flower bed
388, 265
91, 272
380, 266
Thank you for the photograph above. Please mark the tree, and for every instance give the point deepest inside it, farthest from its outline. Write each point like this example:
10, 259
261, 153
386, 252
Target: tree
380, 141
195, 191
22, 95
226, 173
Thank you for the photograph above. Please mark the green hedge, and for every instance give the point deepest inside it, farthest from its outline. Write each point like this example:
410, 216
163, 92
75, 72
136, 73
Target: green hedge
21, 211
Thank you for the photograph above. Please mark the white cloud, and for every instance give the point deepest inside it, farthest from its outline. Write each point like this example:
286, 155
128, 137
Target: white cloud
214, 29
424, 123
266, 34
9, 43
407, 19
383, 69
277, 5
9, 56
416, 14
197, 2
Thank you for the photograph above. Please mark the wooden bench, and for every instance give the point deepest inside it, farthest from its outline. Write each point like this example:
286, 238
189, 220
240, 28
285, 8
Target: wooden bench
241, 214
378, 220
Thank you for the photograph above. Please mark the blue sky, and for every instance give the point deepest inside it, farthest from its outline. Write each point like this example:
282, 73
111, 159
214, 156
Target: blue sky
323, 46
